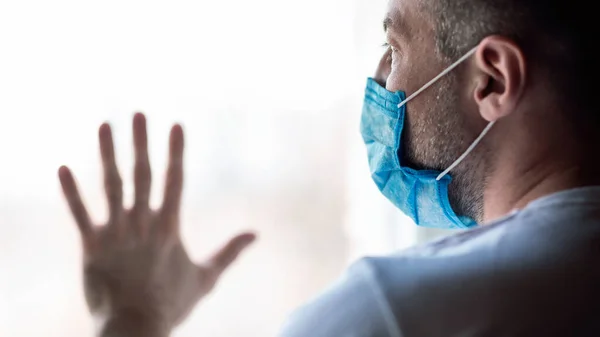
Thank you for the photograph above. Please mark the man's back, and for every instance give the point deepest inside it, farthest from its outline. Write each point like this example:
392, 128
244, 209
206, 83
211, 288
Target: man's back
533, 273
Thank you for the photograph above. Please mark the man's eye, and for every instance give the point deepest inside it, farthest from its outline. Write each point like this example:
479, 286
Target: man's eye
386, 45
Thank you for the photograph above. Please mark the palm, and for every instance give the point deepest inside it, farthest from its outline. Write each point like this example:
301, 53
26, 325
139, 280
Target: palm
137, 261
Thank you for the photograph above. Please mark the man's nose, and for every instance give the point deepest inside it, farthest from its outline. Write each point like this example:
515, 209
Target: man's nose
384, 69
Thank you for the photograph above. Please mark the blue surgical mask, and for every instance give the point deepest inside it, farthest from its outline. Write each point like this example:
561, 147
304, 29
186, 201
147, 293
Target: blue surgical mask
420, 194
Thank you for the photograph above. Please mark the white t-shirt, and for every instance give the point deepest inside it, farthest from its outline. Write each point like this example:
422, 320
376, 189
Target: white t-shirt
533, 273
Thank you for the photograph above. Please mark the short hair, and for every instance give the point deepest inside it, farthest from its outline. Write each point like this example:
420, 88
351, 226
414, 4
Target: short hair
557, 36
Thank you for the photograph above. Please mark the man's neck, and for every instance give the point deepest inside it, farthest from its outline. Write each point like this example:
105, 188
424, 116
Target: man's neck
513, 191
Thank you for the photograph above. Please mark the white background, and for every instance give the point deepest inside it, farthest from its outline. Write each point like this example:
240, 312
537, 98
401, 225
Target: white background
269, 93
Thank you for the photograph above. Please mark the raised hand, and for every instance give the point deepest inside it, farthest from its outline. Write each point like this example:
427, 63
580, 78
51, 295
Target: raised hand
139, 280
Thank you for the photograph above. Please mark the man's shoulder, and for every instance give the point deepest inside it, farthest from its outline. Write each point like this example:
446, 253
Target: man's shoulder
353, 306
525, 262
470, 280
523, 239
365, 301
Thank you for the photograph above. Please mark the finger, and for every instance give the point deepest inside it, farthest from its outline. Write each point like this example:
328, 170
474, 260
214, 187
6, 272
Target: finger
142, 172
112, 179
69, 187
225, 257
174, 182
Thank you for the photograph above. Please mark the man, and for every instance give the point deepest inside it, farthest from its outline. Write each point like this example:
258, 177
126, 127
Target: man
499, 94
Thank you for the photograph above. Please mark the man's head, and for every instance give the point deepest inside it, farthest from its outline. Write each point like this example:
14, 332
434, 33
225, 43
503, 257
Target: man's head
532, 71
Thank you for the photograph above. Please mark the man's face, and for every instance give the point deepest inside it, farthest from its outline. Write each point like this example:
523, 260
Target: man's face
436, 128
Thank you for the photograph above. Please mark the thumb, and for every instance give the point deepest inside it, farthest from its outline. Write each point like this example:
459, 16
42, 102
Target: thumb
226, 255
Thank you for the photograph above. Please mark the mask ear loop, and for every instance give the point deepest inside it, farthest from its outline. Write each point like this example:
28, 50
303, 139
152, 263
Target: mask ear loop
435, 79
469, 150
430, 83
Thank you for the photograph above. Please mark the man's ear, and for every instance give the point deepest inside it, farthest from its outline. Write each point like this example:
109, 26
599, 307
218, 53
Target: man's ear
501, 77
